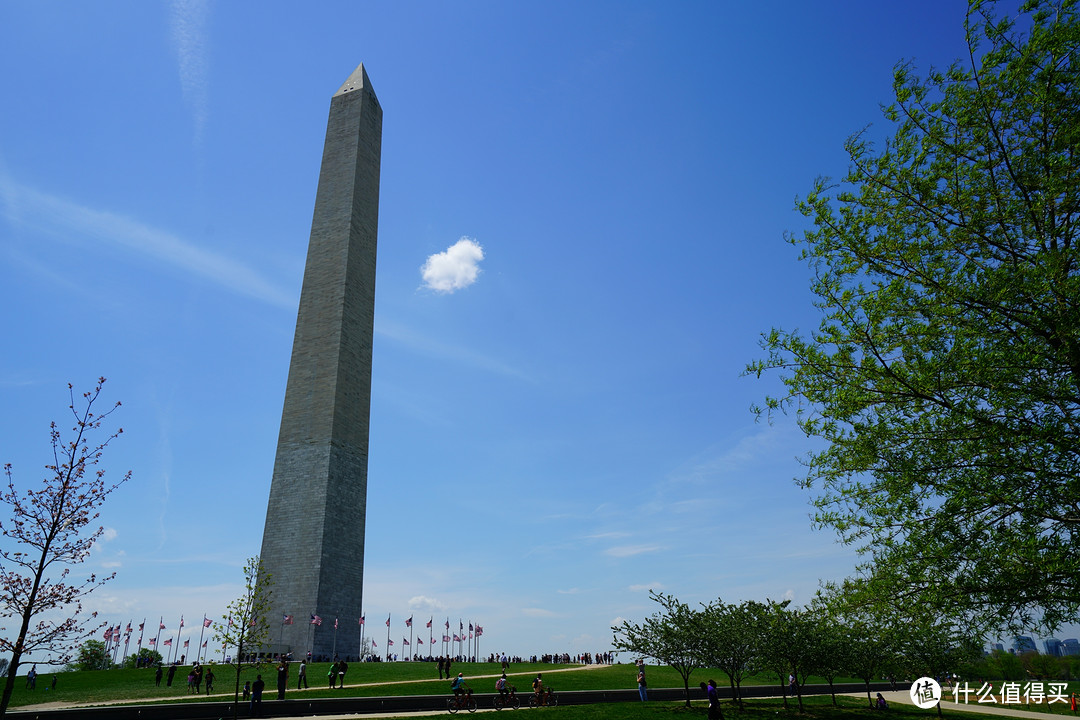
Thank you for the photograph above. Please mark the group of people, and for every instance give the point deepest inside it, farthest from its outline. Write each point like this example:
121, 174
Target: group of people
195, 678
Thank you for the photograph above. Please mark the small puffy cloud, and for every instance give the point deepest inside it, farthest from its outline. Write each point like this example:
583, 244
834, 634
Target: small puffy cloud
108, 534
455, 269
422, 602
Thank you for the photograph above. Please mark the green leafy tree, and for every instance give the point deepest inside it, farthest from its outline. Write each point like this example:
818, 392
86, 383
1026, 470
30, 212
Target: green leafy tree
732, 640
47, 530
92, 656
245, 625
831, 642
1007, 665
874, 645
944, 376
789, 645
673, 636
932, 647
1043, 667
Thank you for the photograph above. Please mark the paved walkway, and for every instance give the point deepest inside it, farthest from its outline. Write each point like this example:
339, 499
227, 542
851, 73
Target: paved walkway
904, 697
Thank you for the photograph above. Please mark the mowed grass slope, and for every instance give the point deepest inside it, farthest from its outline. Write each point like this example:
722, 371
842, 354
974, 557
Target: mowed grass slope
93, 687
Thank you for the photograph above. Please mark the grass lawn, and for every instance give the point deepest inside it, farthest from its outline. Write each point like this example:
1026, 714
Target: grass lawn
420, 678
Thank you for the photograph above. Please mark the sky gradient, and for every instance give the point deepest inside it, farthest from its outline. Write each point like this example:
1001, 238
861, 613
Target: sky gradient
581, 239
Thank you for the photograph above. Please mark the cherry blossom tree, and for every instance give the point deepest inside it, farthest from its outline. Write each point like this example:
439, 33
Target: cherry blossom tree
47, 530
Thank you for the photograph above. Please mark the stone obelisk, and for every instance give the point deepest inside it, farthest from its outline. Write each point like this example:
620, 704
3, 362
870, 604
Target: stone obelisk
313, 542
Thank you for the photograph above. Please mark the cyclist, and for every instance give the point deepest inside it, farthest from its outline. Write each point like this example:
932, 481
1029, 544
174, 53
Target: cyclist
500, 685
538, 688
458, 686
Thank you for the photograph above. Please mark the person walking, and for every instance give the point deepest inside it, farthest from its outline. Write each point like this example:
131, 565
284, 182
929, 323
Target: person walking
715, 713
301, 678
641, 684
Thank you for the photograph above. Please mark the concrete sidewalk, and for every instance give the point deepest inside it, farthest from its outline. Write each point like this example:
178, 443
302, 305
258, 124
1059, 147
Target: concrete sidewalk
904, 697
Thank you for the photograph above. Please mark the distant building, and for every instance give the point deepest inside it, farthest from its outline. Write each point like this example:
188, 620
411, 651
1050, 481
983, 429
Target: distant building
998, 646
1023, 644
1053, 647
1070, 647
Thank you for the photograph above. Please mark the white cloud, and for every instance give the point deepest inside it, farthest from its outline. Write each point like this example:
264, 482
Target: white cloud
422, 602
571, 591
631, 550
188, 24
455, 269
108, 534
66, 219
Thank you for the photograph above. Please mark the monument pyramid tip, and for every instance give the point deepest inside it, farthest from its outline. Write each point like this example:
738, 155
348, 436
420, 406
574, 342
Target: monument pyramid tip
356, 81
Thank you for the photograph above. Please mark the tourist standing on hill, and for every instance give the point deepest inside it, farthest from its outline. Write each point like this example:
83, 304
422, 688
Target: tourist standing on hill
282, 678
209, 680
442, 664
342, 668
157, 675
170, 674
301, 678
332, 674
641, 684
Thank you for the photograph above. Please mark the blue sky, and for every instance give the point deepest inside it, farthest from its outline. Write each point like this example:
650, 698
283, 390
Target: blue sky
551, 437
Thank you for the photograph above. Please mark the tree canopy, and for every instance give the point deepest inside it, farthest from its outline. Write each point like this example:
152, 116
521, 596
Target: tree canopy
944, 377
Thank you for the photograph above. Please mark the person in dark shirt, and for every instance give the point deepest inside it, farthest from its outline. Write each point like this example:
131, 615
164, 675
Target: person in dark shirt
256, 696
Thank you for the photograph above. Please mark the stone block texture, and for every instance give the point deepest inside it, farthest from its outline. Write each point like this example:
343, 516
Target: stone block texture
313, 542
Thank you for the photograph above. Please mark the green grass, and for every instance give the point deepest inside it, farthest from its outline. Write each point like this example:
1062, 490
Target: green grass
404, 678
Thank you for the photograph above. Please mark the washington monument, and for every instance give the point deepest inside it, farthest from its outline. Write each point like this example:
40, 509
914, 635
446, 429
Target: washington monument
313, 542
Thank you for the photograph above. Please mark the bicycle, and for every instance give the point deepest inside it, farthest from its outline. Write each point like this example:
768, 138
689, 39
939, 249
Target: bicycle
549, 699
462, 702
509, 700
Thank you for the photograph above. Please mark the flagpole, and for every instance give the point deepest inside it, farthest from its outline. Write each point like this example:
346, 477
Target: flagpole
143, 625
410, 639
198, 650
157, 639
334, 646
178, 631
116, 649
387, 637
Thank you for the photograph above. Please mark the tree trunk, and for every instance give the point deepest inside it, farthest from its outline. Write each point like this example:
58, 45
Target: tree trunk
9, 686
